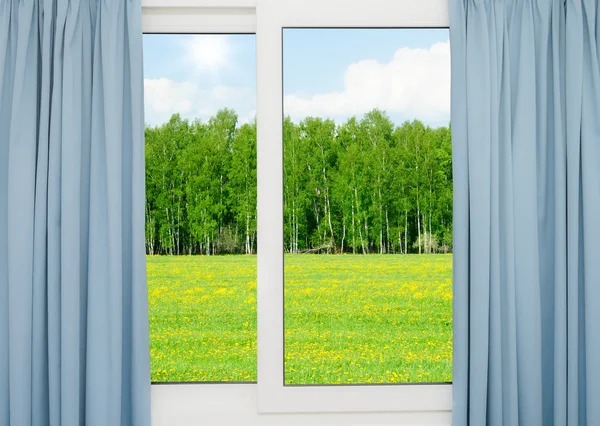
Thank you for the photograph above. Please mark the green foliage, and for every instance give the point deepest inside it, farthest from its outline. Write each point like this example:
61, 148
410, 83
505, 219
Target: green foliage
348, 319
365, 186
201, 186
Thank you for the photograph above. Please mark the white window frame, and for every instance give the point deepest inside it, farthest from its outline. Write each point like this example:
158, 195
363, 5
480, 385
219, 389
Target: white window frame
266, 18
272, 17
199, 16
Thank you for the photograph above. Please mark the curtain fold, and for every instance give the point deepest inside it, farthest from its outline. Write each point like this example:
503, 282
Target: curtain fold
73, 299
526, 141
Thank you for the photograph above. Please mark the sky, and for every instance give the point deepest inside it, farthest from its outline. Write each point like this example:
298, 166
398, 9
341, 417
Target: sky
329, 73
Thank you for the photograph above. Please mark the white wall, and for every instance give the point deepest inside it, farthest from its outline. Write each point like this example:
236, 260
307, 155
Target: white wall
224, 404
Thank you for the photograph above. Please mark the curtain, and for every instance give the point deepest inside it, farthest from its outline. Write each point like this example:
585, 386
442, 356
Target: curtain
526, 157
73, 300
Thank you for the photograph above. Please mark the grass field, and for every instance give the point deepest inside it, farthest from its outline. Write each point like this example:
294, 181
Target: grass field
348, 319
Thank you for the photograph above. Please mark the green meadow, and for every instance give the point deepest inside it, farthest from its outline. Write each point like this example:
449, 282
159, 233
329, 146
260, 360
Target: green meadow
348, 318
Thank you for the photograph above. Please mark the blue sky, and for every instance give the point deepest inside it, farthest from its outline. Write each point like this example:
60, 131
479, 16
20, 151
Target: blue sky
333, 73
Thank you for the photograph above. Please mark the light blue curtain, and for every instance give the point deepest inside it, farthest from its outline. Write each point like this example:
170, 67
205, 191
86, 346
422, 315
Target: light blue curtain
526, 135
73, 300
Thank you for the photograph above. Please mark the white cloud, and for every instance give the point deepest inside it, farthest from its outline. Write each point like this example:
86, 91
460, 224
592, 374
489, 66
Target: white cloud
209, 53
248, 117
414, 84
164, 97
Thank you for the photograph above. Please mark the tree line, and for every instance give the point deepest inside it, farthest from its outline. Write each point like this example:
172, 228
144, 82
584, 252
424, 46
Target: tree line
364, 186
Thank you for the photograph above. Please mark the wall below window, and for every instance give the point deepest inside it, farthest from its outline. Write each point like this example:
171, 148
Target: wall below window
222, 404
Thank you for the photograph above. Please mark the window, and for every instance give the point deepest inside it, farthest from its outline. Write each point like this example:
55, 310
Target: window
273, 20
367, 206
269, 19
201, 206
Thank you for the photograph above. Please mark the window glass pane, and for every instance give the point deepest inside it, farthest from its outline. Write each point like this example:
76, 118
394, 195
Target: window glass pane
367, 206
201, 206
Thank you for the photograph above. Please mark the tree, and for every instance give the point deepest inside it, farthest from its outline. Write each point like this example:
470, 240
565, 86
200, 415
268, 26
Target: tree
242, 177
363, 186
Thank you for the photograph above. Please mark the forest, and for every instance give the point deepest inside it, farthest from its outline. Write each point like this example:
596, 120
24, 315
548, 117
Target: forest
365, 186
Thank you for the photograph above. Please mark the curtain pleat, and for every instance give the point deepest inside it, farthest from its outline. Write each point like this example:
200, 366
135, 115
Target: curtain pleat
526, 135
7, 39
73, 301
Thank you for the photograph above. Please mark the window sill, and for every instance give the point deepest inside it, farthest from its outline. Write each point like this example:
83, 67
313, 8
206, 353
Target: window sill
216, 404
